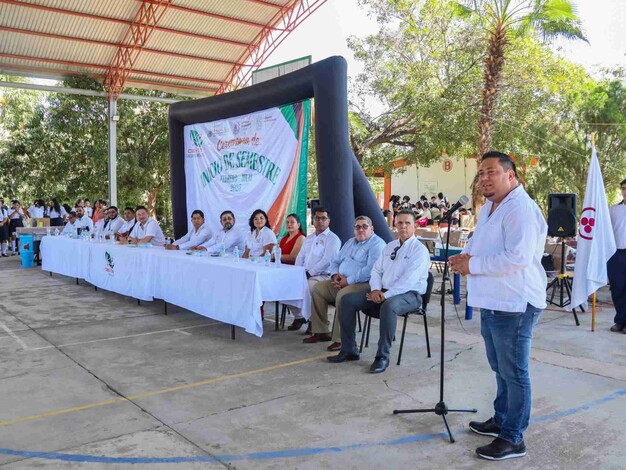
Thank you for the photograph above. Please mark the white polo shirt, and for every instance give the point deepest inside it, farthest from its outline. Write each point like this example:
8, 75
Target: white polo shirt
17, 214
84, 221
69, 227
318, 252
618, 220
150, 228
126, 226
235, 237
36, 212
194, 237
408, 271
506, 250
112, 225
255, 243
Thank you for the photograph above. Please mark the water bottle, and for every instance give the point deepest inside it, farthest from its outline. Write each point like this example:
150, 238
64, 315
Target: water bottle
48, 231
236, 254
56, 232
222, 249
267, 257
278, 252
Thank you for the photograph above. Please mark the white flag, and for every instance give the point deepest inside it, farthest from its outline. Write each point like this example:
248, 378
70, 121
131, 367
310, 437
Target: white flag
596, 242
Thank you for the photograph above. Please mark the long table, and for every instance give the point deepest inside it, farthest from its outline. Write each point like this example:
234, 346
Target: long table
215, 287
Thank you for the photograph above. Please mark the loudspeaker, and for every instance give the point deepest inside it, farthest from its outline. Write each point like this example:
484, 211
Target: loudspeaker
562, 218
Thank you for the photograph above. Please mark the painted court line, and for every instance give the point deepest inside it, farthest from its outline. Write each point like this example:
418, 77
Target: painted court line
282, 454
13, 335
162, 391
124, 337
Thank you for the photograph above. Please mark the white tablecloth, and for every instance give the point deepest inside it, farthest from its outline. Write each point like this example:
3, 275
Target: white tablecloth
218, 288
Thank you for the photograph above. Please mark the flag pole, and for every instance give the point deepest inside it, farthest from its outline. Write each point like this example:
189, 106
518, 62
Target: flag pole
593, 302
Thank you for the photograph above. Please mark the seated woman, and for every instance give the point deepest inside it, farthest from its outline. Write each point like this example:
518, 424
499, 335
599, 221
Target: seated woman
291, 243
261, 237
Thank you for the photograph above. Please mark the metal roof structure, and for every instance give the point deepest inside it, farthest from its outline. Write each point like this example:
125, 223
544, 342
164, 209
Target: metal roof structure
186, 47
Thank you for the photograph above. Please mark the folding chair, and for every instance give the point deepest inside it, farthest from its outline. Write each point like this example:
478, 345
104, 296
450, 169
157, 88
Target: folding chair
365, 336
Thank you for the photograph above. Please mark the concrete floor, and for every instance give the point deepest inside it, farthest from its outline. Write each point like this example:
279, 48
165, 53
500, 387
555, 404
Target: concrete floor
92, 380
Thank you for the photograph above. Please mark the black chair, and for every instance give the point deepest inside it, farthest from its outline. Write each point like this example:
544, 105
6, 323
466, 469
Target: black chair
365, 336
285, 309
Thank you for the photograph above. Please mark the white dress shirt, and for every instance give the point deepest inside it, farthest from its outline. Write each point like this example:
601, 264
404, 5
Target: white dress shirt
255, 243
150, 228
127, 226
84, 221
506, 250
618, 220
318, 252
88, 211
69, 227
17, 214
407, 272
113, 225
55, 215
194, 237
235, 237
99, 226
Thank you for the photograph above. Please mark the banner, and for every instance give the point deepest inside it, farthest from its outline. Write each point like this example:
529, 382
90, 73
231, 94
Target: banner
243, 163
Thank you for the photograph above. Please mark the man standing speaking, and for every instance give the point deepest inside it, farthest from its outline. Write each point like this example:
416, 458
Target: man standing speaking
505, 279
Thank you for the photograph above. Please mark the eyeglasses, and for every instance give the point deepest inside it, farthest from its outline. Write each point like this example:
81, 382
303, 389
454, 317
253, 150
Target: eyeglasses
320, 218
361, 227
395, 252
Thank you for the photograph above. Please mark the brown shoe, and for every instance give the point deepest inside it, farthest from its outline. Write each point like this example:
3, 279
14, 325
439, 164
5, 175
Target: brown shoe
318, 338
618, 327
297, 324
334, 347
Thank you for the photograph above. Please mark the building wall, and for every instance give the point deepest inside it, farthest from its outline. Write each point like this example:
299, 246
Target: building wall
415, 181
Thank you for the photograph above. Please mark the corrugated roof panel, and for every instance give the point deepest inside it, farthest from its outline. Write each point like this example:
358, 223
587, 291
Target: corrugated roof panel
195, 46
245, 10
121, 9
179, 66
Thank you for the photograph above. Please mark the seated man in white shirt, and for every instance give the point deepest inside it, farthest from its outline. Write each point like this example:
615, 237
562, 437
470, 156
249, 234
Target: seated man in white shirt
147, 230
198, 234
82, 221
113, 222
398, 281
229, 237
318, 251
70, 226
129, 223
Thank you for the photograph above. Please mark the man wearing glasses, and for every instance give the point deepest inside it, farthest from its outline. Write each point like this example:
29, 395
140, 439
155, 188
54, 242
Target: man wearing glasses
113, 223
398, 281
317, 252
350, 270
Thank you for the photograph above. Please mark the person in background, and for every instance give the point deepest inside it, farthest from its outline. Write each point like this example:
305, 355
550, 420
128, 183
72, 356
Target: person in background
37, 210
70, 226
100, 218
97, 214
79, 203
57, 213
147, 230
198, 234
291, 244
16, 219
88, 208
83, 222
4, 229
443, 200
350, 272
261, 237
394, 203
318, 250
406, 203
616, 267
129, 223
426, 214
230, 237
398, 281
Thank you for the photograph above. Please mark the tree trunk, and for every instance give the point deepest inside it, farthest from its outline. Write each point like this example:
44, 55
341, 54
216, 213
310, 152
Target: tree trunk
151, 203
494, 65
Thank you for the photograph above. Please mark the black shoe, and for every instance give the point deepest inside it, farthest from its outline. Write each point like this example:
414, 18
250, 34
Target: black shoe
617, 327
379, 365
501, 449
343, 357
488, 428
297, 324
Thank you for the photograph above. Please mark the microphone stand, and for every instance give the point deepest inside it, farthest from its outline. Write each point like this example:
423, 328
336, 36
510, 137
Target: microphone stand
441, 408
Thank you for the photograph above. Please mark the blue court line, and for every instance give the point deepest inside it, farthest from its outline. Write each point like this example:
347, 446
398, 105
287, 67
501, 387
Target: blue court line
280, 454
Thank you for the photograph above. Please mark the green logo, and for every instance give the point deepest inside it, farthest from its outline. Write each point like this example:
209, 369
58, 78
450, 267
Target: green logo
196, 137
110, 263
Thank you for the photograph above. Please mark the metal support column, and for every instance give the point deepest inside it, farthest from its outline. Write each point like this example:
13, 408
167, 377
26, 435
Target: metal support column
113, 118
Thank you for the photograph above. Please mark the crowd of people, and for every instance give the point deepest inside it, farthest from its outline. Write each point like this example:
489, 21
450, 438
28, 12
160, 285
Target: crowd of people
426, 212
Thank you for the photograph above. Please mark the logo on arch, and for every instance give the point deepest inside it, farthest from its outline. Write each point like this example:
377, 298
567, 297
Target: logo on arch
587, 223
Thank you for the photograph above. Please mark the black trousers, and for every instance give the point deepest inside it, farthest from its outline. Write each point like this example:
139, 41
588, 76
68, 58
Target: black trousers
616, 268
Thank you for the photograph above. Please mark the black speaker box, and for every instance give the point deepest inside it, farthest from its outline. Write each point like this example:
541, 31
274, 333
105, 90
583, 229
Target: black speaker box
562, 220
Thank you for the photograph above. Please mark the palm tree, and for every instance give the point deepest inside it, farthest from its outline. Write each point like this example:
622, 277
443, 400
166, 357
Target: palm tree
544, 19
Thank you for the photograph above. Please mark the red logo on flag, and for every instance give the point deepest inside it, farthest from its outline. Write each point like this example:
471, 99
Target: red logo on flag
587, 223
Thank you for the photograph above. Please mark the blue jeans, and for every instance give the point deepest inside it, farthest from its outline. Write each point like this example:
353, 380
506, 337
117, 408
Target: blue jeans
507, 338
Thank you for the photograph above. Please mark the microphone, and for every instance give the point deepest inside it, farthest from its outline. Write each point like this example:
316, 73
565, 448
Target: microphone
460, 203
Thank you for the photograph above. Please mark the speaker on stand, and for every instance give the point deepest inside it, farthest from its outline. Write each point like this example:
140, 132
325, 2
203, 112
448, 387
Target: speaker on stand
562, 223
